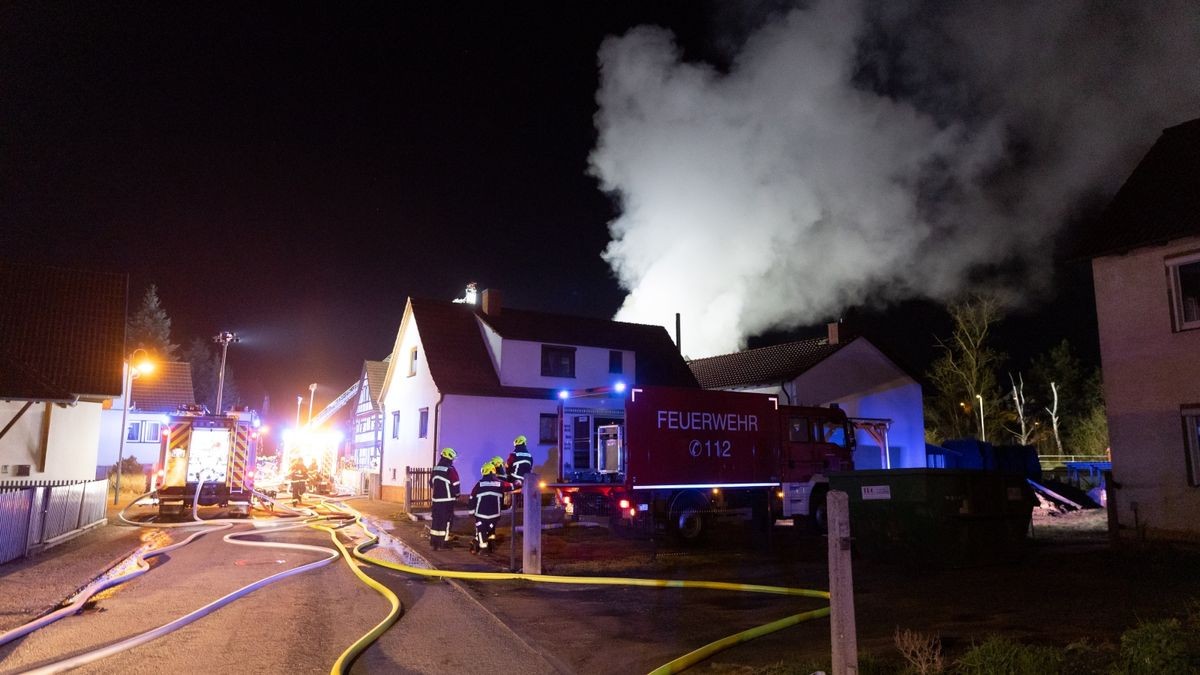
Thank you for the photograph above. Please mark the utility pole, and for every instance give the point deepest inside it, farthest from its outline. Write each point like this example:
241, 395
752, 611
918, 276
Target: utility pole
223, 338
312, 390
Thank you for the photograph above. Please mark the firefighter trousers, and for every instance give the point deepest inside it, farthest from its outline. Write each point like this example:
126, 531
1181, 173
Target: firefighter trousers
485, 530
443, 516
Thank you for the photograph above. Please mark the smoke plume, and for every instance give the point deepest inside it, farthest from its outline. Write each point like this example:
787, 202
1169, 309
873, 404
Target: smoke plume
862, 154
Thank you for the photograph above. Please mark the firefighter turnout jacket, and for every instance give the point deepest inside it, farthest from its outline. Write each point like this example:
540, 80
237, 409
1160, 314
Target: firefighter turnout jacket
520, 462
487, 496
444, 481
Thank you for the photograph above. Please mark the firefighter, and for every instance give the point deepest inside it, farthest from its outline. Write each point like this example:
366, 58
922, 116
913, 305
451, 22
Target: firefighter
298, 475
485, 506
445, 487
520, 462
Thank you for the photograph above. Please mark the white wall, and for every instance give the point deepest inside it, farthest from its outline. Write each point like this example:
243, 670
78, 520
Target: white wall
71, 444
1149, 372
865, 383
480, 428
146, 451
407, 395
521, 366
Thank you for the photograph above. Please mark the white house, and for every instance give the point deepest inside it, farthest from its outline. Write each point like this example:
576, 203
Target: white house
62, 338
153, 396
882, 398
1145, 252
473, 378
368, 416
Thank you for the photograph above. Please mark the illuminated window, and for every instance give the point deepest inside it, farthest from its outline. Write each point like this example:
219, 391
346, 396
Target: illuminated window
548, 428
396, 424
134, 433
423, 425
616, 362
412, 362
1184, 274
1191, 443
558, 361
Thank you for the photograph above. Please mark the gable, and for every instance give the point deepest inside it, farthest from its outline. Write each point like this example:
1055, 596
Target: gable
165, 389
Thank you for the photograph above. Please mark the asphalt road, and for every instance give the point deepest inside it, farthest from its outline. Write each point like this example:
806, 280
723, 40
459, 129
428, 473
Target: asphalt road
297, 625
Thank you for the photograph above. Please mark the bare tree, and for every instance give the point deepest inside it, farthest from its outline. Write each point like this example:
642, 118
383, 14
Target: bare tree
1053, 411
965, 373
1025, 435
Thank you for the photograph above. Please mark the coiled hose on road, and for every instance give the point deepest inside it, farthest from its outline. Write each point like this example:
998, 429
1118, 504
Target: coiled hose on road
349, 516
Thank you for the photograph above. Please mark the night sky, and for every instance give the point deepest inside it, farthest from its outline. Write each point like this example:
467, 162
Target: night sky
292, 172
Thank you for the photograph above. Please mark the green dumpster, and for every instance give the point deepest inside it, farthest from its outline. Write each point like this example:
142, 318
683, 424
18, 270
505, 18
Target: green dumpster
937, 517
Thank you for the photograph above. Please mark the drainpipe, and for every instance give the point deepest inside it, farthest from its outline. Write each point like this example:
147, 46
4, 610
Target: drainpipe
437, 417
784, 389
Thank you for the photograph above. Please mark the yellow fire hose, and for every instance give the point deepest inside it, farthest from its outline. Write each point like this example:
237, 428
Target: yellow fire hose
674, 666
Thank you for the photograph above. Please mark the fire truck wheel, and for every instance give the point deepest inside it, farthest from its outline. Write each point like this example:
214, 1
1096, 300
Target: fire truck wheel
690, 516
819, 519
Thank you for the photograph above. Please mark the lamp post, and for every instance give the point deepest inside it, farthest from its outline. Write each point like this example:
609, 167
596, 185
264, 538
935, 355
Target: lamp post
223, 338
131, 372
312, 390
299, 400
982, 428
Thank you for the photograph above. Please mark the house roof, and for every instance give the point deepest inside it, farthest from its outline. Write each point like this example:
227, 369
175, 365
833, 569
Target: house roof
164, 390
458, 359
376, 371
1160, 200
62, 333
765, 365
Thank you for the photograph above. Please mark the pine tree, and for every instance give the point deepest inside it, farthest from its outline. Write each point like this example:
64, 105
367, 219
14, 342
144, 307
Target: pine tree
206, 370
150, 328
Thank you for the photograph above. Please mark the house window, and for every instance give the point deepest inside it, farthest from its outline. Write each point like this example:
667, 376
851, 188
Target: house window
548, 429
134, 432
396, 424
412, 362
150, 432
1191, 443
616, 362
423, 425
558, 361
1184, 274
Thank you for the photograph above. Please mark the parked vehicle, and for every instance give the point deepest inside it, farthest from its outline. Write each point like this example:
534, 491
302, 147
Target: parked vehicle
679, 460
212, 453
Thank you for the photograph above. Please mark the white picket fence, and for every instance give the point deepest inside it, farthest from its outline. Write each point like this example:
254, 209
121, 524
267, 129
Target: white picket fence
35, 516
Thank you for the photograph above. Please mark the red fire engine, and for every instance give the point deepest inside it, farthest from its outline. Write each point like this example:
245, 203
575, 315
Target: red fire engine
685, 458
215, 453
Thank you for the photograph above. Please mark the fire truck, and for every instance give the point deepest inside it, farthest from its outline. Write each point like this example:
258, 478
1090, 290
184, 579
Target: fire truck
680, 460
212, 453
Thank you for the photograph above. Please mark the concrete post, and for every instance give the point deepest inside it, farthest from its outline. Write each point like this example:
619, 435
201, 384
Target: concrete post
531, 542
842, 632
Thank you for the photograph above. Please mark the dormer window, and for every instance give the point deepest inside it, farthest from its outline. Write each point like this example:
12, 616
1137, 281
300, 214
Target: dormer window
412, 362
558, 361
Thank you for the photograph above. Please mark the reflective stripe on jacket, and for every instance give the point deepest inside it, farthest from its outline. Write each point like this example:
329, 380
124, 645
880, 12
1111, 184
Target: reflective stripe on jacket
444, 481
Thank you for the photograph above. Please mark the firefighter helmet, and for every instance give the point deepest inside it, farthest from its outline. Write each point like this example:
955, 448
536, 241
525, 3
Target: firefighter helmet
449, 453
496, 461
487, 468
519, 440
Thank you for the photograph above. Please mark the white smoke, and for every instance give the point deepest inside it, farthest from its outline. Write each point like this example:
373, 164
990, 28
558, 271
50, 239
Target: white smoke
817, 173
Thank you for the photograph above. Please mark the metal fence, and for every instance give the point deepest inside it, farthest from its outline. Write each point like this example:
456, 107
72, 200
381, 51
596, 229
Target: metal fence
34, 516
417, 493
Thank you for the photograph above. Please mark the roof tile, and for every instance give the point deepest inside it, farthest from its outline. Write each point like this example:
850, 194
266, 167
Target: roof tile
762, 366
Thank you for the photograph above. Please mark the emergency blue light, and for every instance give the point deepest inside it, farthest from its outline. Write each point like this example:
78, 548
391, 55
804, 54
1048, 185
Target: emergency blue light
619, 387
562, 393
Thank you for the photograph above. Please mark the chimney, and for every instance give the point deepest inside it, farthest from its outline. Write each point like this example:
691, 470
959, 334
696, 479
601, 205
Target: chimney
833, 332
491, 301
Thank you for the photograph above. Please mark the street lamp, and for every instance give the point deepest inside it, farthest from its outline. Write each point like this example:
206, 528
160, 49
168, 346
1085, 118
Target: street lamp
132, 370
299, 400
312, 390
223, 338
982, 428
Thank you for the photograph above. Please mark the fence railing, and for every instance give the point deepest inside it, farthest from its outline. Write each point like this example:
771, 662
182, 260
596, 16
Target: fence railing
417, 493
34, 516
1060, 461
